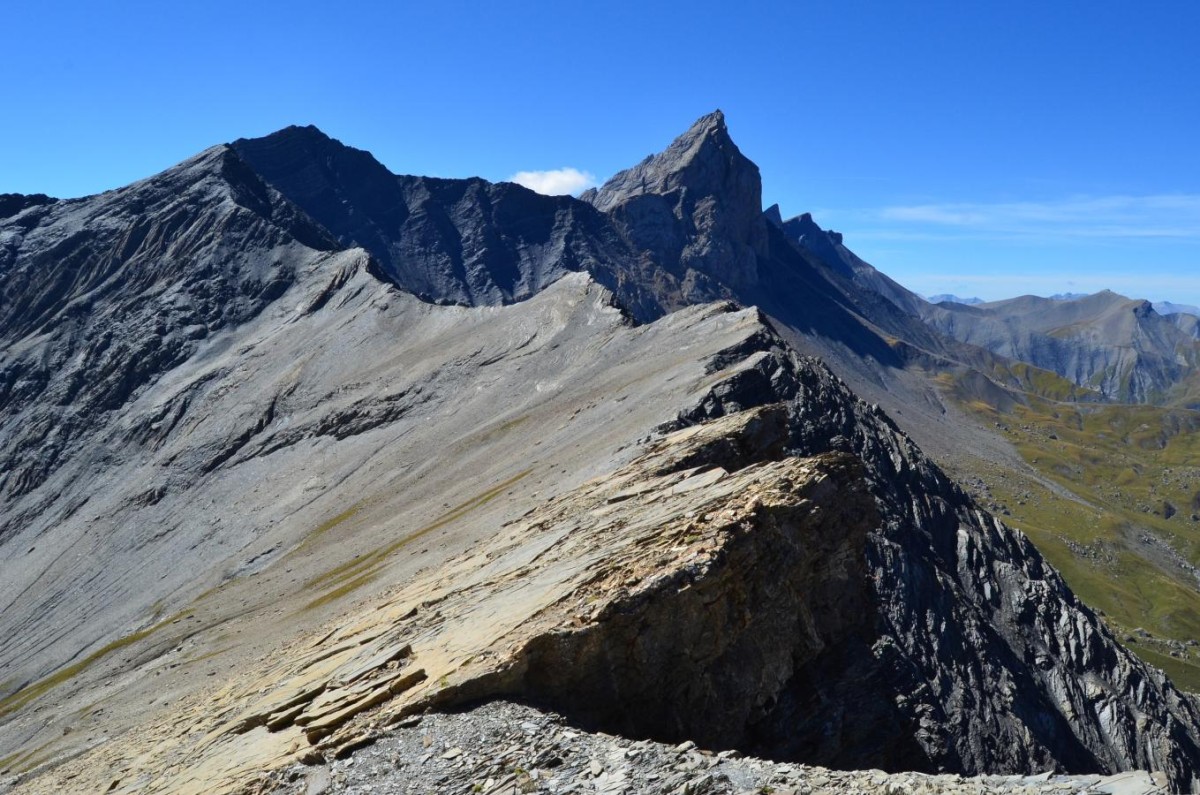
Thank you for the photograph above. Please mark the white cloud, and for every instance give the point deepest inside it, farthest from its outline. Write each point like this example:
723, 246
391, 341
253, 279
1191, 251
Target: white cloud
555, 182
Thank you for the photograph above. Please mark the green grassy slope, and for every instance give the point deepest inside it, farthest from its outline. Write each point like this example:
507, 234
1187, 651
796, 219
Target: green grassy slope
1113, 501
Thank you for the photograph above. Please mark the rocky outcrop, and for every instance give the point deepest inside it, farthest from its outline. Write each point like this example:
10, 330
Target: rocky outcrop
979, 649
696, 208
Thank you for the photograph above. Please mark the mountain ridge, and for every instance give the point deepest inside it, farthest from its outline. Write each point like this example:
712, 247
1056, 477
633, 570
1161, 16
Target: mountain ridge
315, 441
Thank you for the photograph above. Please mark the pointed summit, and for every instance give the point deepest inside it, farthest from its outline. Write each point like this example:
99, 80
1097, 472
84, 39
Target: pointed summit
696, 206
703, 159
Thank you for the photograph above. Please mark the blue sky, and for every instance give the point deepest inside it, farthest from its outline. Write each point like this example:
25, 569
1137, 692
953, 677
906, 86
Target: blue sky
986, 149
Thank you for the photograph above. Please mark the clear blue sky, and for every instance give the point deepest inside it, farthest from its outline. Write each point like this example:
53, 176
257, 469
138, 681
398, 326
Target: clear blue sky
978, 148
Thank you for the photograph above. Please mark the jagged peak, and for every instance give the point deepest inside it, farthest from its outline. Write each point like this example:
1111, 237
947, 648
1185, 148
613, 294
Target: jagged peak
704, 159
803, 225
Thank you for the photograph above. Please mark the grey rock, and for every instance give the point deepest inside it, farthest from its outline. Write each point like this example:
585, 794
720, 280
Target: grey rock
1117, 347
695, 207
963, 600
201, 371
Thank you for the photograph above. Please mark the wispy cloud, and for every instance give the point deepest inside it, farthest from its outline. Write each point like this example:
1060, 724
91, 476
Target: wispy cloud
991, 287
1166, 216
1136, 285
555, 182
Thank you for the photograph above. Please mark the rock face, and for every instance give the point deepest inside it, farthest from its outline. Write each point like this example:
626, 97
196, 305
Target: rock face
227, 419
695, 207
101, 296
463, 241
828, 248
979, 648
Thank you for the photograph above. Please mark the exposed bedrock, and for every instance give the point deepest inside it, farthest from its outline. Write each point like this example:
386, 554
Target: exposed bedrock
978, 641
740, 657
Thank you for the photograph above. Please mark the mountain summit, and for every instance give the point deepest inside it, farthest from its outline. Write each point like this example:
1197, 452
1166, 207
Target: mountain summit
697, 206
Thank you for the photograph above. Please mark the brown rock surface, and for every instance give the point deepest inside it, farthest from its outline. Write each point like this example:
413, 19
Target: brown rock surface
661, 585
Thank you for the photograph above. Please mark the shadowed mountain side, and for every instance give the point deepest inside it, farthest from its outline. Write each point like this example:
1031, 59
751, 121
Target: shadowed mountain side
13, 203
827, 246
462, 241
99, 296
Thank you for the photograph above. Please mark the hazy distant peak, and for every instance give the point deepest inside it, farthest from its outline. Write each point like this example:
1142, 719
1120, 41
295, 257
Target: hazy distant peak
1172, 308
949, 298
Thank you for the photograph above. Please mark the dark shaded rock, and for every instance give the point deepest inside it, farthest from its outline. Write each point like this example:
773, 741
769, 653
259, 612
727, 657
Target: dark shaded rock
462, 241
979, 652
13, 203
827, 247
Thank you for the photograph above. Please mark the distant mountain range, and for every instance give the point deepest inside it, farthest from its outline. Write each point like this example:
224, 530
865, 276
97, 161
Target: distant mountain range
293, 448
954, 299
1168, 308
1161, 307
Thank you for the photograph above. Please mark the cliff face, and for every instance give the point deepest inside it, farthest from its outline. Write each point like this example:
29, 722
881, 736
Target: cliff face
979, 650
696, 206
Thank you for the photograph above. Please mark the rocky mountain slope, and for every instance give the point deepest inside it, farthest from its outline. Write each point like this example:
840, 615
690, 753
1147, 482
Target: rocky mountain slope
1119, 347
264, 497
